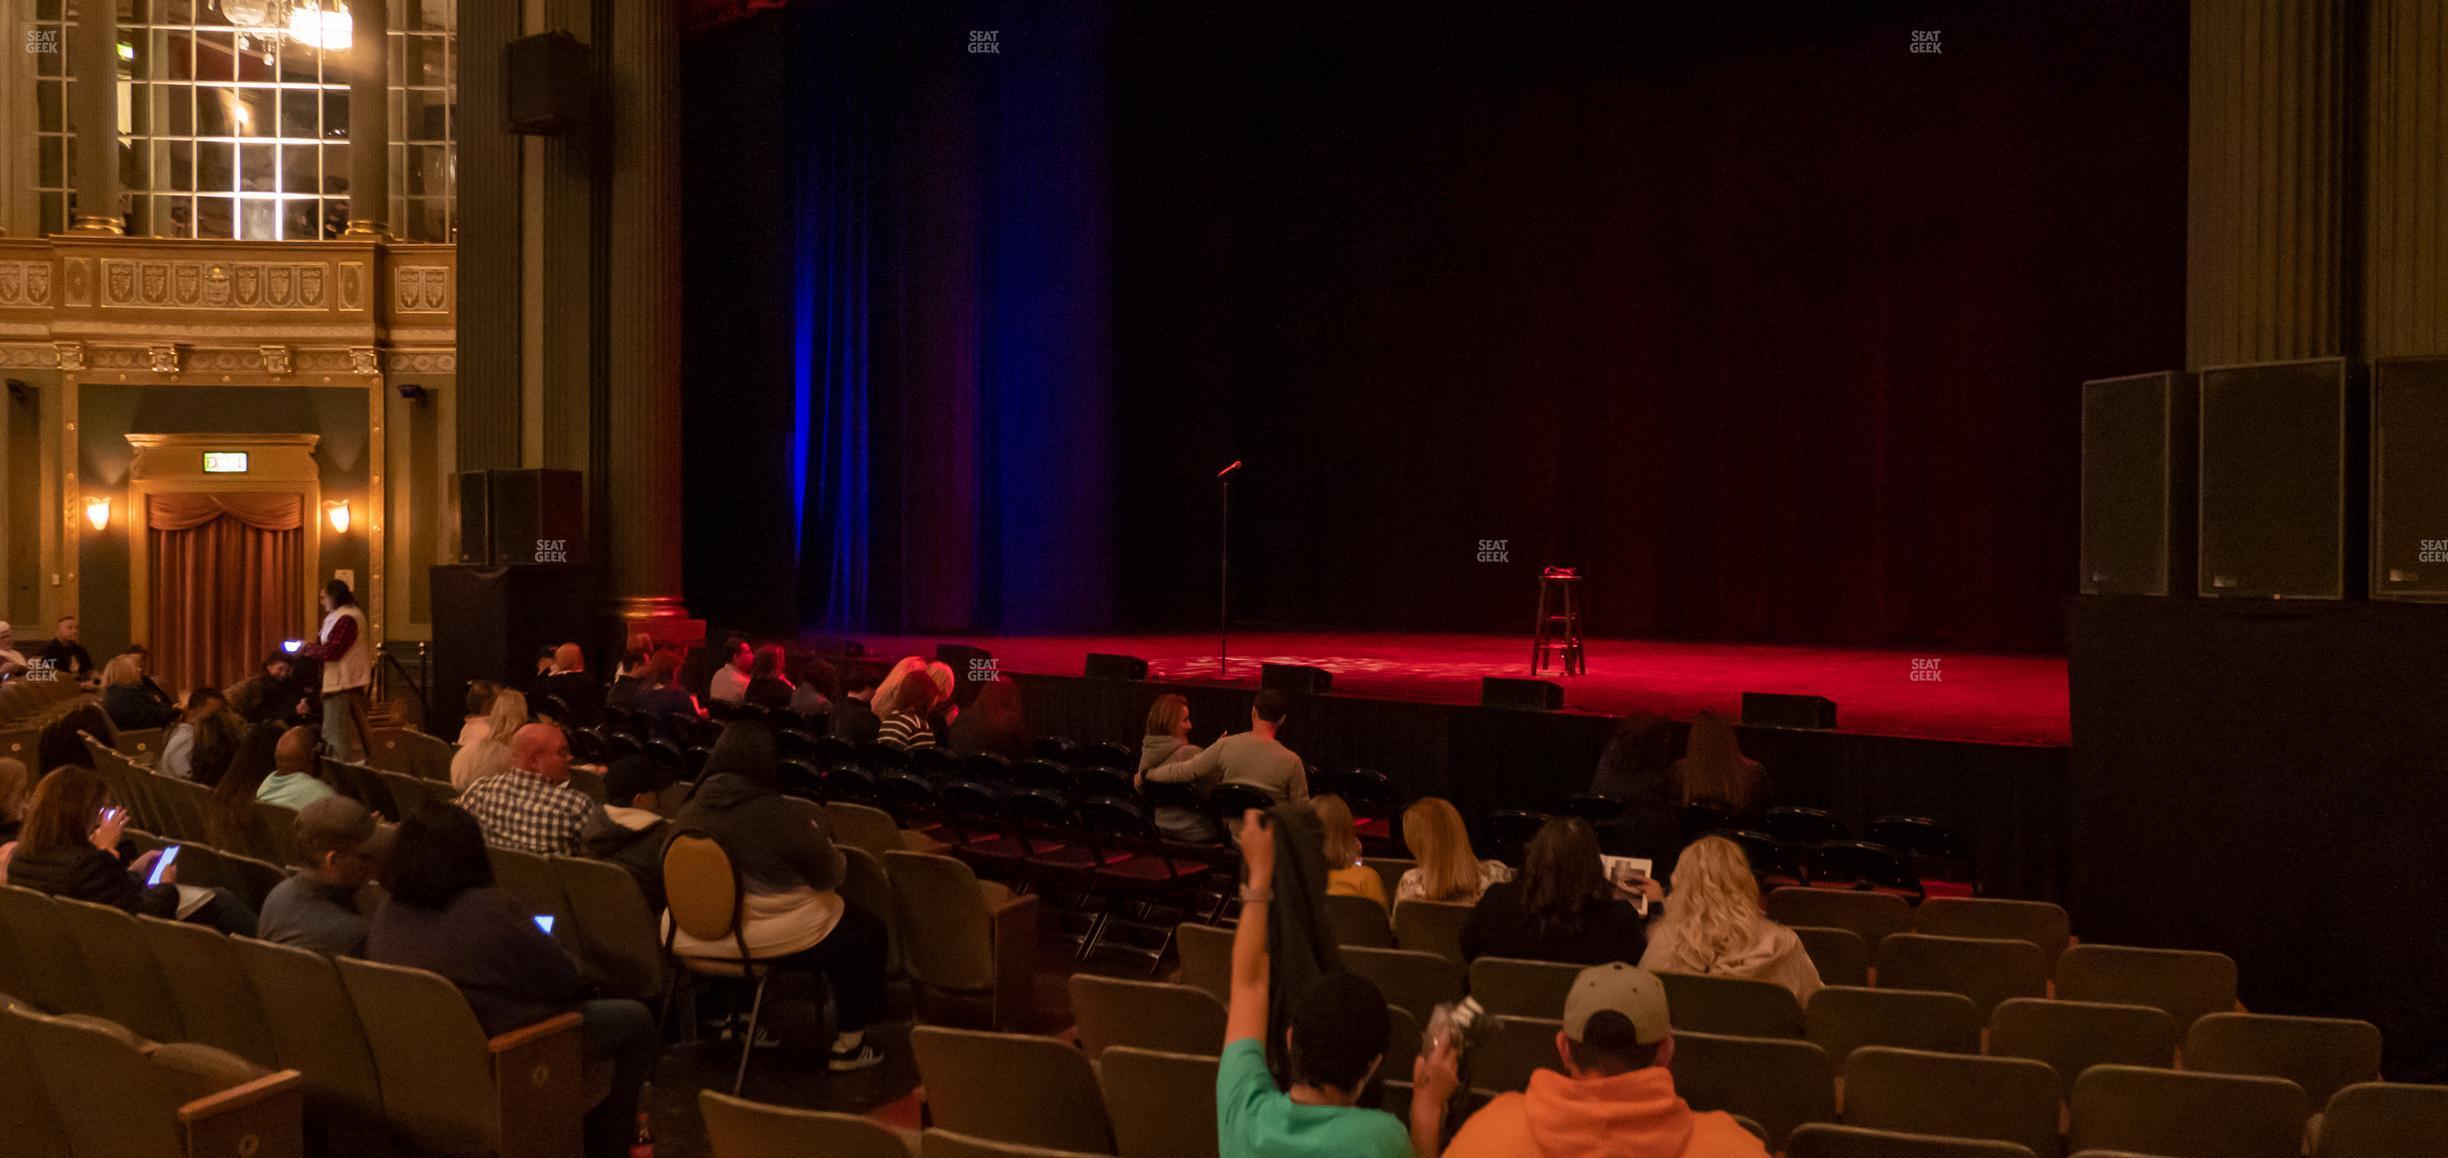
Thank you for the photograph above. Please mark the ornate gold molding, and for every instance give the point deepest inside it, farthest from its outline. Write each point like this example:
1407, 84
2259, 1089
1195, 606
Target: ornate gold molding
351, 293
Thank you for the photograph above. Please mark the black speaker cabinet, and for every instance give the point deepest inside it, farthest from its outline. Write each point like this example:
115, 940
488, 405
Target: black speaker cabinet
1293, 677
538, 516
475, 522
2409, 478
2276, 491
489, 623
547, 84
1528, 695
1115, 667
2138, 475
1776, 710
972, 668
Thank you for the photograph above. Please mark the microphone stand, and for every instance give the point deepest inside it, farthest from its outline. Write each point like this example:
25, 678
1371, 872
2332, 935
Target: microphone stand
1224, 567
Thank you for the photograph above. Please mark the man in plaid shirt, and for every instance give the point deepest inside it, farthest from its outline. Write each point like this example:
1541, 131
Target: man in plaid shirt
531, 807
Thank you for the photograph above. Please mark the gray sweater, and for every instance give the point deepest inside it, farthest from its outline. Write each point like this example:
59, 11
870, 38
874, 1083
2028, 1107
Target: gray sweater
1242, 758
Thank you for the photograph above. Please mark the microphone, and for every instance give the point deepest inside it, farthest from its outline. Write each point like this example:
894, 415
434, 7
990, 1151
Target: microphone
1236, 465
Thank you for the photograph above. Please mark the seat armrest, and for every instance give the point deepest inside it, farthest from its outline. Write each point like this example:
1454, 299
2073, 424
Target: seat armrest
263, 1118
539, 1087
1012, 928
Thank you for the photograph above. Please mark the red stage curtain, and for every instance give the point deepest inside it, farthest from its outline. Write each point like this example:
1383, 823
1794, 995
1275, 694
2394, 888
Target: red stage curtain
224, 575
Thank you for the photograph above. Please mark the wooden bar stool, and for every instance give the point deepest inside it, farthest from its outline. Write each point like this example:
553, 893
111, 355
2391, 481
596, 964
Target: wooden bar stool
1559, 630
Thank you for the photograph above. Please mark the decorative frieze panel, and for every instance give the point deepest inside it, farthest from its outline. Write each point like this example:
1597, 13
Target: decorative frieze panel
204, 284
25, 283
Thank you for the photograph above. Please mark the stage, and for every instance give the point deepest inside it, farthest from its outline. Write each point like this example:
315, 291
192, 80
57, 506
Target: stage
1983, 698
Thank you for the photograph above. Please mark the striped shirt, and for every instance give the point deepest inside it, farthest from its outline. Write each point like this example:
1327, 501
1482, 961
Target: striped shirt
905, 730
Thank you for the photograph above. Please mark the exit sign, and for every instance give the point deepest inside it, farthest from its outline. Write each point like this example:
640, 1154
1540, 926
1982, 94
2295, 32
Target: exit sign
225, 462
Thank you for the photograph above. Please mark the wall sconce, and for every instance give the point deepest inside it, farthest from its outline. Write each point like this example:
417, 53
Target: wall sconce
339, 515
97, 512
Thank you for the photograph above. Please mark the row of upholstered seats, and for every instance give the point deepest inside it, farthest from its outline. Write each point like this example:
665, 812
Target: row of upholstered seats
377, 1047
80, 1084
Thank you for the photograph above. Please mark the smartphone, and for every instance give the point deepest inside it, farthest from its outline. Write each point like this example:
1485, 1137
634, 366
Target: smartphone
546, 924
291, 645
161, 865
111, 814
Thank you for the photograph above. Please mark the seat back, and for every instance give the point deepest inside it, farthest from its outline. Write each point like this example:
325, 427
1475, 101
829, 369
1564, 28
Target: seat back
213, 868
1206, 958
1431, 927
1962, 1095
275, 834
1358, 921
361, 784
1987, 970
1822, 1140
2321, 1054
1520, 1046
126, 978
1402, 1041
429, 1056
1009, 1087
2188, 984
611, 929
1870, 916
1840, 955
2073, 1036
2187, 1115
1736, 1006
701, 886
1844, 1018
184, 804
2038, 922
415, 794
739, 1128
1153, 1015
103, 1095
1413, 981
26, 1116
411, 753
1775, 1082
140, 744
866, 886
530, 880
313, 1026
941, 1143
1145, 1094
55, 974
216, 1005
2382, 1120
1517, 988
1389, 870
864, 827
943, 921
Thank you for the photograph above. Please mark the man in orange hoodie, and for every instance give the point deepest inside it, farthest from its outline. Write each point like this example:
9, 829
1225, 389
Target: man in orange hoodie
1614, 1098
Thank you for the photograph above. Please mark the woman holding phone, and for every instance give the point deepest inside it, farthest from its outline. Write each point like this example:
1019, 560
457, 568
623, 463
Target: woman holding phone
70, 848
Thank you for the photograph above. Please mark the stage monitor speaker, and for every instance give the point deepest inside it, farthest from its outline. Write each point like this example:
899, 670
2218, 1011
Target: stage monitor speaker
1528, 695
1116, 667
972, 668
834, 646
2276, 491
547, 86
475, 525
1777, 710
2409, 502
538, 516
489, 623
2138, 501
1293, 677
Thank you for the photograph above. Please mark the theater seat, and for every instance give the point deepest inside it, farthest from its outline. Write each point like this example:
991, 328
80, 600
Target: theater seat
1145, 1092
1012, 1089
739, 1128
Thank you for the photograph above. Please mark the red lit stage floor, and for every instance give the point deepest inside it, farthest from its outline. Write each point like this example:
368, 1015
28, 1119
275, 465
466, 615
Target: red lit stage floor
1985, 698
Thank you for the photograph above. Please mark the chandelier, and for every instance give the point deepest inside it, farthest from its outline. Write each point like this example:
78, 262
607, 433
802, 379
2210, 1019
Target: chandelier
321, 23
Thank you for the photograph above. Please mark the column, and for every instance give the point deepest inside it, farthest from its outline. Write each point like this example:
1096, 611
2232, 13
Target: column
2405, 216
94, 108
490, 240
642, 459
2264, 236
369, 124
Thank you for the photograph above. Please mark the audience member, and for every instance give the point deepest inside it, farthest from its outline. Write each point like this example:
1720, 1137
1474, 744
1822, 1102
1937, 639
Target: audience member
1335, 1040
272, 695
1345, 875
12, 661
813, 687
200, 745
854, 717
131, 705
791, 873
490, 754
1167, 741
627, 681
297, 771
1561, 907
65, 656
341, 846
662, 695
1637, 769
1714, 768
477, 724
144, 675
1447, 870
572, 685
69, 847
768, 685
993, 723
905, 707
345, 647
1254, 758
1614, 1096
529, 806
730, 682
229, 813
947, 708
61, 740
445, 916
1714, 924
629, 831
16, 793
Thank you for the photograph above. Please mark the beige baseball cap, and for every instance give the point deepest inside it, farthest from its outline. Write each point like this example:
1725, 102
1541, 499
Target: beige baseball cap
1636, 995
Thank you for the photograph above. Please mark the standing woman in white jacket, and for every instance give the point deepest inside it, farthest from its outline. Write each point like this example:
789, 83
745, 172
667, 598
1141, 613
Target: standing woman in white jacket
346, 648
